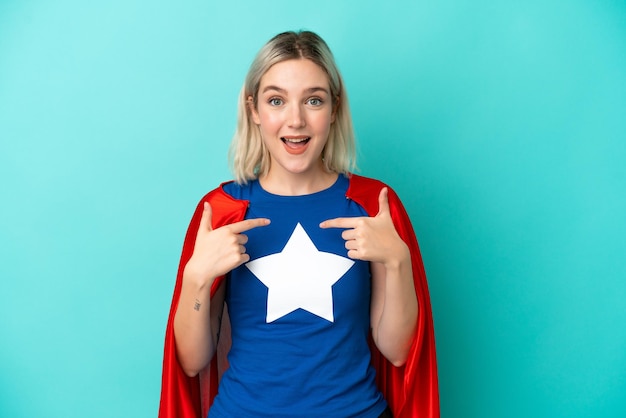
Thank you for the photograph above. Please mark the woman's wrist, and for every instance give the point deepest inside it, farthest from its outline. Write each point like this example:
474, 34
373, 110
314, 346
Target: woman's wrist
400, 256
197, 280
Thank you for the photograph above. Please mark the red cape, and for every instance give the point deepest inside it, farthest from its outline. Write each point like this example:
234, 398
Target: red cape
411, 390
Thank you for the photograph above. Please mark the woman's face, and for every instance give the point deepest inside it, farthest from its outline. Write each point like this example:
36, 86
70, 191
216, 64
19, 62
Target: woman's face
294, 112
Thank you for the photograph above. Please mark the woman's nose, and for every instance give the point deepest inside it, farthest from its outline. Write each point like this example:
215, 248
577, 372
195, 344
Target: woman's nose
296, 118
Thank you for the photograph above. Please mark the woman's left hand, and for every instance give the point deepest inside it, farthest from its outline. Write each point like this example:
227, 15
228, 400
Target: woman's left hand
372, 238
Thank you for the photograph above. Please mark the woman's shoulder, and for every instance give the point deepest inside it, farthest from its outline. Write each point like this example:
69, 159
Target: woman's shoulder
366, 190
227, 193
225, 207
362, 187
235, 190
229, 190
359, 181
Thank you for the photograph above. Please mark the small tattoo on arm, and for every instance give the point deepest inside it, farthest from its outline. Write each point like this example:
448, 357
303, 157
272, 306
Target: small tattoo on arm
197, 305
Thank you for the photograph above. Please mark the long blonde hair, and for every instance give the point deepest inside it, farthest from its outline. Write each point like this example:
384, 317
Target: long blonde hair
248, 156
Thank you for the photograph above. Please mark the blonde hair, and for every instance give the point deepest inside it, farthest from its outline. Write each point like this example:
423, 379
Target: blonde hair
248, 155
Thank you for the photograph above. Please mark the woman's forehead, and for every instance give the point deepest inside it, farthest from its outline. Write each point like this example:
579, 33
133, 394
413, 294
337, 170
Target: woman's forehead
294, 74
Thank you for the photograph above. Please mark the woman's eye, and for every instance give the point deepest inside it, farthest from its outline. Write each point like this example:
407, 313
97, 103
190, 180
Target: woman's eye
315, 101
274, 101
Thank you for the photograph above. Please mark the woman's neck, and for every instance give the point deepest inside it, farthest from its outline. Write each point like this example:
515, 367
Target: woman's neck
297, 185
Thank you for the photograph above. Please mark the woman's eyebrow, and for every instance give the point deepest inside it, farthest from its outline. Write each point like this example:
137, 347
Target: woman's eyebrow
275, 88
316, 89
283, 91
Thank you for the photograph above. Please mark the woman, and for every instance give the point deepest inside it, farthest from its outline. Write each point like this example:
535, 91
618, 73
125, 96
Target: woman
312, 272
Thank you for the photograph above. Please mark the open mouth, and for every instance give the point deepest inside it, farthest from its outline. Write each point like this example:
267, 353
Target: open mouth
296, 141
295, 144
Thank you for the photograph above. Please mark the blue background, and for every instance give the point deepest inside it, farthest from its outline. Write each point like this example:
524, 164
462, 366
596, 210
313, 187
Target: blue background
500, 124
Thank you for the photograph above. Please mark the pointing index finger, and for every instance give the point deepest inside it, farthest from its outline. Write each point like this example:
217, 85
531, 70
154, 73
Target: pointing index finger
248, 224
339, 223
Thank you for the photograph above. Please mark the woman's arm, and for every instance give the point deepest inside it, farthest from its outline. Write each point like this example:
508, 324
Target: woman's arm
196, 325
394, 309
394, 303
198, 316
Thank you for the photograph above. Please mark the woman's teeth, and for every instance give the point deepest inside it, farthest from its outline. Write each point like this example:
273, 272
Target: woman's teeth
295, 140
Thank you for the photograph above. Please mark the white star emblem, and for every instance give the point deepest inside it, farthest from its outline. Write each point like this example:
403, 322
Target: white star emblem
300, 276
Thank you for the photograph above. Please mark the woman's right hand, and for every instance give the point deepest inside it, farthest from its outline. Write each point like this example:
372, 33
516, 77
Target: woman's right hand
218, 251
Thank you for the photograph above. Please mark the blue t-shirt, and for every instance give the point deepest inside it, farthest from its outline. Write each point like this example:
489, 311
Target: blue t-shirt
299, 312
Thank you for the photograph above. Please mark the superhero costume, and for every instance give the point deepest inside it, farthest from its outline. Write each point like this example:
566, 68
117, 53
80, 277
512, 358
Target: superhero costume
299, 313
410, 390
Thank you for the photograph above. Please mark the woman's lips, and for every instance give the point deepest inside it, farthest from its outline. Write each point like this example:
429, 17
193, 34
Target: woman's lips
295, 144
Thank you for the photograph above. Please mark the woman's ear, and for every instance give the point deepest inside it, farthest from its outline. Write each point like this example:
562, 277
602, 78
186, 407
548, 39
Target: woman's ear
253, 112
